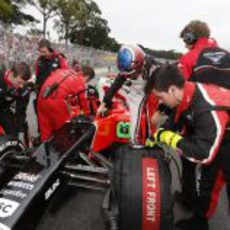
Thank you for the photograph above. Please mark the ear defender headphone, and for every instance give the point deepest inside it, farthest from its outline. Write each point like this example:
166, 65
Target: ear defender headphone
45, 43
189, 37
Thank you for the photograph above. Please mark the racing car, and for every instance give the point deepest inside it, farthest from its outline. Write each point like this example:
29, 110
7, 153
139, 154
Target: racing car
87, 153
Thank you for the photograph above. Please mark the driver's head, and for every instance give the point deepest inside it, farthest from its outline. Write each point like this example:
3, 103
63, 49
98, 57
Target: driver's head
130, 59
193, 31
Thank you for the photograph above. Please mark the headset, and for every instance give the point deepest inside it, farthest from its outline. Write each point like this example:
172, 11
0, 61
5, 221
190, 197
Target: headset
189, 37
45, 43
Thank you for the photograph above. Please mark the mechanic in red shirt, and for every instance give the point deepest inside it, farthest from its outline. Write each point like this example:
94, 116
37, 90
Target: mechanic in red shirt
88, 74
48, 61
53, 110
205, 61
196, 36
203, 110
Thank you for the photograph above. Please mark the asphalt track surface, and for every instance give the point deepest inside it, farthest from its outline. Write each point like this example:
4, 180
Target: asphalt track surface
81, 209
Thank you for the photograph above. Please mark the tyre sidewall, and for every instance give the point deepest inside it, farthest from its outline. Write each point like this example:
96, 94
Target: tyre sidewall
130, 182
9, 144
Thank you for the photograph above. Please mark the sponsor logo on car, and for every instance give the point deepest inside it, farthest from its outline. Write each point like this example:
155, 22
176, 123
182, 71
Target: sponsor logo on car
4, 227
27, 177
16, 193
20, 184
151, 194
52, 189
7, 207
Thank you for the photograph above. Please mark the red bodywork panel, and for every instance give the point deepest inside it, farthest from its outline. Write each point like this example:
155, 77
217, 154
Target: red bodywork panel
105, 134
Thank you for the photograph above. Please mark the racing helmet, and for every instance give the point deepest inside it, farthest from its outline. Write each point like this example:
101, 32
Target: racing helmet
130, 58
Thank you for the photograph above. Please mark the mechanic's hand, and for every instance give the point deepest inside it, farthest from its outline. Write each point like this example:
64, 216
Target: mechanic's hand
155, 119
158, 118
167, 137
101, 111
150, 143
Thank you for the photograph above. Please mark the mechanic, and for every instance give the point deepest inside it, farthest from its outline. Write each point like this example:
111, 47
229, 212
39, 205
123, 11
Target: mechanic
48, 61
88, 74
53, 102
203, 110
76, 66
205, 61
134, 68
14, 98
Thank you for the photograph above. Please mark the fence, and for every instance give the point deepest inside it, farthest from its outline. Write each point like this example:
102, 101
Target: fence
15, 47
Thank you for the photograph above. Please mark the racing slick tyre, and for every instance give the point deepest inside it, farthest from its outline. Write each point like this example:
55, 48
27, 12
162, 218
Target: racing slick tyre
142, 187
8, 147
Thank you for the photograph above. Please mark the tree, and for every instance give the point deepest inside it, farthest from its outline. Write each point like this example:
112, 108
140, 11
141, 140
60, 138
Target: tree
35, 31
167, 54
94, 34
112, 45
12, 14
92, 29
69, 14
48, 10
5, 8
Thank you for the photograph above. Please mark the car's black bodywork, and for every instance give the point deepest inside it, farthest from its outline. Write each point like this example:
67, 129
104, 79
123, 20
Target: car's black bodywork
27, 191
30, 182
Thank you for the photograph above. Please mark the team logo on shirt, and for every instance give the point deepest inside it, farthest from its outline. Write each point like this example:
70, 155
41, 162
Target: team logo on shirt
215, 57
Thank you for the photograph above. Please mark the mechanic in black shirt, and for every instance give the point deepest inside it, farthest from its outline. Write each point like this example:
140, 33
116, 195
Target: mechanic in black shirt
14, 98
48, 61
88, 74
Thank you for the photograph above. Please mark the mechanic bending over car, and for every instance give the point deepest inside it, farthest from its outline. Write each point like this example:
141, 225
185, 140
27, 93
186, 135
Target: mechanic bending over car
53, 107
88, 74
134, 67
14, 98
202, 112
204, 62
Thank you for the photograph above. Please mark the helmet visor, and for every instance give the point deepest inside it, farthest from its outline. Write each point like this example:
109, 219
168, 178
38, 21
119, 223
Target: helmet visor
124, 60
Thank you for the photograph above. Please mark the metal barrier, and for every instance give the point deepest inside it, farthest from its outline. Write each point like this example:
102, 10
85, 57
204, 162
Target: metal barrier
15, 47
